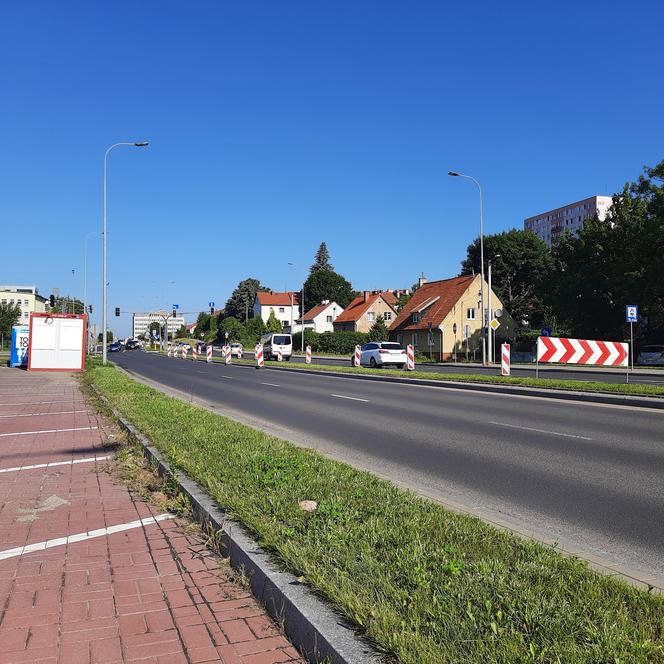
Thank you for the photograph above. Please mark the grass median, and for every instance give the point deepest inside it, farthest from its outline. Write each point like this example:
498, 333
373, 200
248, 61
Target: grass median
424, 584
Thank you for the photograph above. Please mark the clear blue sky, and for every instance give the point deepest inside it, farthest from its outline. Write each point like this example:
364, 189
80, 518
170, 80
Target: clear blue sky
275, 125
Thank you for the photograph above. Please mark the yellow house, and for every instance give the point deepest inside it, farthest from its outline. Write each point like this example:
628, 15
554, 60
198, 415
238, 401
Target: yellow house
363, 311
444, 316
27, 298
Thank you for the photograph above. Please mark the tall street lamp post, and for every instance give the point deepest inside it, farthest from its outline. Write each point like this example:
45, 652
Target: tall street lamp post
468, 177
104, 312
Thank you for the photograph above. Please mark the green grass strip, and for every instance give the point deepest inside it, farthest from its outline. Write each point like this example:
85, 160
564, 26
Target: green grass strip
425, 584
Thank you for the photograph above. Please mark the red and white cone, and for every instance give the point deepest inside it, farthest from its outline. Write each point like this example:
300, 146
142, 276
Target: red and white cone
357, 356
259, 356
410, 357
505, 359
280, 355
307, 357
209, 353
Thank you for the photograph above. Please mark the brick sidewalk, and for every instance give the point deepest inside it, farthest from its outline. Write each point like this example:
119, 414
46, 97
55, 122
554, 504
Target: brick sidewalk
134, 585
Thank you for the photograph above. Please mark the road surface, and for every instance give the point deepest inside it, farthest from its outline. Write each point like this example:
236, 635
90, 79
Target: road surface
585, 475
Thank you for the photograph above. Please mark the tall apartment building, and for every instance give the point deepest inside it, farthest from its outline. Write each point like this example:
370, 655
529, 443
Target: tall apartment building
549, 226
26, 297
141, 322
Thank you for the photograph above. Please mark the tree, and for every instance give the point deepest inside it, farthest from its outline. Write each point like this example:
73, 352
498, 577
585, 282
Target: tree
231, 325
240, 304
404, 299
67, 305
379, 331
521, 267
9, 315
154, 326
327, 285
273, 324
321, 260
182, 332
109, 337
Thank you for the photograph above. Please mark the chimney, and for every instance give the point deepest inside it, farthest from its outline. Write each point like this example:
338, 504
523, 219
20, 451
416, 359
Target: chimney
422, 280
325, 302
366, 295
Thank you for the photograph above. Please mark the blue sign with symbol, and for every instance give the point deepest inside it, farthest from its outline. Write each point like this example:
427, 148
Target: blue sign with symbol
176, 306
546, 332
210, 304
19, 348
632, 313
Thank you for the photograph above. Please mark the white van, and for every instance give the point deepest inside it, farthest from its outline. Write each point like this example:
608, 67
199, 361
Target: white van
273, 341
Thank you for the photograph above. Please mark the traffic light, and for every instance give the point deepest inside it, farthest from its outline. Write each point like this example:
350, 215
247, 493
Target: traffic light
211, 311
89, 308
117, 311
174, 313
52, 301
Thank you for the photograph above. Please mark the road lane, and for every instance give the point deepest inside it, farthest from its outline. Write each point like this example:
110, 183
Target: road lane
584, 474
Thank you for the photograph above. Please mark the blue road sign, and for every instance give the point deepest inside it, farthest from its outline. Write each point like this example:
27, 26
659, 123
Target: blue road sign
176, 306
545, 332
210, 304
632, 313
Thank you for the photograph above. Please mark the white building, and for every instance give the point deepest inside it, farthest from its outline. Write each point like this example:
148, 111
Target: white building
320, 318
549, 226
141, 322
286, 306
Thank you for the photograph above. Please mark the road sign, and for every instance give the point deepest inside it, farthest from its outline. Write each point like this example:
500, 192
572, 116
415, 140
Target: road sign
632, 313
210, 304
582, 351
494, 324
546, 332
430, 339
176, 306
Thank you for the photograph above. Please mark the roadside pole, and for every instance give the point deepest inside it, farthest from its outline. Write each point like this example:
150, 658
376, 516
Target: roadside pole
631, 316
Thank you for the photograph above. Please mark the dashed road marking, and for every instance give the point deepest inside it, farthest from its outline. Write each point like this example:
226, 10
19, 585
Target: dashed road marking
343, 396
51, 464
28, 433
552, 433
271, 384
80, 537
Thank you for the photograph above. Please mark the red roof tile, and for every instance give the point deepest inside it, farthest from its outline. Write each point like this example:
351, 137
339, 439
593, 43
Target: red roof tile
269, 299
356, 309
314, 311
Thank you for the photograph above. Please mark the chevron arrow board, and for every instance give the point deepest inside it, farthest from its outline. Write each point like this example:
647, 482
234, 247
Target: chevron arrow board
582, 351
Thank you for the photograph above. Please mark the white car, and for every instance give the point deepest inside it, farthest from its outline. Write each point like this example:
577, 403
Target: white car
237, 350
652, 355
383, 353
273, 342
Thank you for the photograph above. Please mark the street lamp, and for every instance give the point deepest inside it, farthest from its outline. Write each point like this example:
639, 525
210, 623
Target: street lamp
454, 174
141, 144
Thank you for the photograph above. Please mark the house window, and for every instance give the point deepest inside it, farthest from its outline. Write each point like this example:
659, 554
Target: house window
25, 303
470, 313
417, 317
281, 310
371, 316
387, 315
328, 319
416, 340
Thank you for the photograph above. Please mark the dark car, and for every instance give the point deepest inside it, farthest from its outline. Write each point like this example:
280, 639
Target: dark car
133, 344
115, 347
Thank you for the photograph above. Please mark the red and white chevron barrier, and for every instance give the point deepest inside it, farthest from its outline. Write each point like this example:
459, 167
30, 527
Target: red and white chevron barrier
505, 359
194, 353
258, 354
307, 357
227, 354
209, 353
410, 357
185, 350
582, 351
169, 350
280, 355
357, 356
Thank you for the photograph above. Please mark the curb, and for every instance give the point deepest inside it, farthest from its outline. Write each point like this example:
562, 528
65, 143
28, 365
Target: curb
550, 393
320, 634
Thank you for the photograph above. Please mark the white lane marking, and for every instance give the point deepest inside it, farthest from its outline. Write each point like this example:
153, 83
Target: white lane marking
228, 378
34, 403
552, 433
50, 464
343, 396
80, 537
27, 433
61, 412
271, 384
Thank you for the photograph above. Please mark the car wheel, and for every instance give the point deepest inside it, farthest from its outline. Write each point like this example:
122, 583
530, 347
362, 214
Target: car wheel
372, 363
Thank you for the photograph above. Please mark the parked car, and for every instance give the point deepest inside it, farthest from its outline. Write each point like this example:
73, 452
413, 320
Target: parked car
652, 355
273, 342
237, 350
382, 353
115, 347
133, 344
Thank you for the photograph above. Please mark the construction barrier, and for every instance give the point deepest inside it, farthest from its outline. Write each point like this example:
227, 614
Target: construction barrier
194, 353
280, 355
209, 353
169, 350
227, 354
259, 356
357, 356
582, 351
185, 351
505, 359
410, 357
307, 357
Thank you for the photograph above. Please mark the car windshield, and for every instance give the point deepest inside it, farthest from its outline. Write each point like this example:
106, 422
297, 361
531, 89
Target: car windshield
393, 346
652, 349
281, 340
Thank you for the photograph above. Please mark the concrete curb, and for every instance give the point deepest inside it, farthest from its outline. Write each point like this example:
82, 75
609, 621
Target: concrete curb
550, 393
312, 626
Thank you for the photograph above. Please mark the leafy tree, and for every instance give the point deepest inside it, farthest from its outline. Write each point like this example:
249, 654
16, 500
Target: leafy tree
240, 304
327, 285
521, 270
109, 337
182, 332
234, 328
404, 299
379, 331
273, 324
205, 325
321, 260
64, 305
9, 315
155, 326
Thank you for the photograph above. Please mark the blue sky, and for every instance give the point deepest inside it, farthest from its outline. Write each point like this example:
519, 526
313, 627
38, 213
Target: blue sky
275, 125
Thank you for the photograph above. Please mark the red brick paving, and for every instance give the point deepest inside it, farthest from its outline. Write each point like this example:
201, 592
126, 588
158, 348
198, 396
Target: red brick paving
153, 594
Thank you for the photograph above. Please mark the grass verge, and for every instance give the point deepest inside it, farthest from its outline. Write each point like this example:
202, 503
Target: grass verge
426, 585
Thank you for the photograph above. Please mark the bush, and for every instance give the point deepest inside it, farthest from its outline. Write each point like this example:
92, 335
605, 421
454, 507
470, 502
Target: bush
311, 338
342, 343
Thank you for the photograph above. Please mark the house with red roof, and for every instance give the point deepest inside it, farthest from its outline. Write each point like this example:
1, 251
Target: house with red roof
321, 317
363, 311
286, 306
444, 316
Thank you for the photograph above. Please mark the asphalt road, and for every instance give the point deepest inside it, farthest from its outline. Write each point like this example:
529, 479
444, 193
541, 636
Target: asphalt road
586, 475
641, 375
